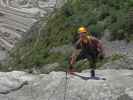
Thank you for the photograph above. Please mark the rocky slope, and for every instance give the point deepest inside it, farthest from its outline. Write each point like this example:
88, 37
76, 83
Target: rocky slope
18, 16
23, 86
121, 48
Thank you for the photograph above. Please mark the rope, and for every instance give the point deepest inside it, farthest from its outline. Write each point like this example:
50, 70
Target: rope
66, 83
65, 88
33, 96
54, 91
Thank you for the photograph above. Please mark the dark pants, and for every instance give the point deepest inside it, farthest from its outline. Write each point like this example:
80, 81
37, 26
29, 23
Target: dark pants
92, 57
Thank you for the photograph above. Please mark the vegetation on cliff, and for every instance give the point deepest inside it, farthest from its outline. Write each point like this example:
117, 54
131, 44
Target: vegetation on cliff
96, 15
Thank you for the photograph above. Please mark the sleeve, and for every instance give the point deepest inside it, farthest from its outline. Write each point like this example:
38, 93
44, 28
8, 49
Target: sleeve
98, 44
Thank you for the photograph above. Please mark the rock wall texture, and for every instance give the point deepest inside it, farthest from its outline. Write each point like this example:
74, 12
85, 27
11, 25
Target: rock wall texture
18, 16
54, 86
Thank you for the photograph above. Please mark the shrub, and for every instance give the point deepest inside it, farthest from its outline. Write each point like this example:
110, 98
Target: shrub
61, 29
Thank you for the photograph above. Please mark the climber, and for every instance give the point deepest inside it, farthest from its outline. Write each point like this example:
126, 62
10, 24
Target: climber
87, 47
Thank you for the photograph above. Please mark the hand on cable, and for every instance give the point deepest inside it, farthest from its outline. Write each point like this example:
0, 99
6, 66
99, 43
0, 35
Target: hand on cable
99, 50
71, 68
72, 61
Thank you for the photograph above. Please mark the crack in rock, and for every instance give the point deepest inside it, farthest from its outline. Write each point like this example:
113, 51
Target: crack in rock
14, 89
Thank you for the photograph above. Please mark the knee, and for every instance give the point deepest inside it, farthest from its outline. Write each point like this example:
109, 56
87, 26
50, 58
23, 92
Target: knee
101, 56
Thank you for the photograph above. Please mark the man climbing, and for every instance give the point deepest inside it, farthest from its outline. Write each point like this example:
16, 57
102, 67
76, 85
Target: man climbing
87, 47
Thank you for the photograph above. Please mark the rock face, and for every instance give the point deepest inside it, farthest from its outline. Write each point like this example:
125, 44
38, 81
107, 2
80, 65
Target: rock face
18, 16
122, 48
123, 63
118, 47
54, 86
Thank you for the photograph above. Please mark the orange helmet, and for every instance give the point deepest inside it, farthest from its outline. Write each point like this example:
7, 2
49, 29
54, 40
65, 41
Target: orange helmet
82, 30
